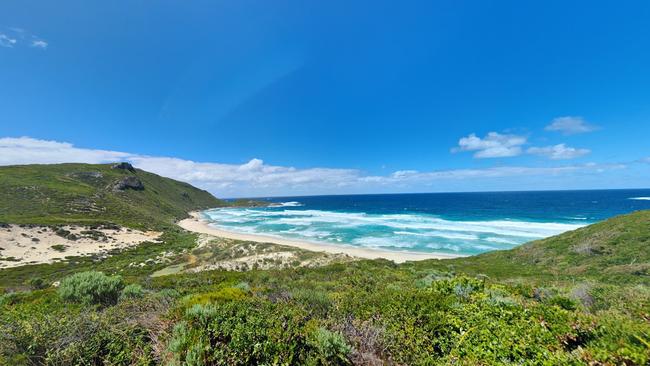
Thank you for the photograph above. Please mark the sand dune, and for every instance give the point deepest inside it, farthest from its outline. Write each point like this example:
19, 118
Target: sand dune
42, 244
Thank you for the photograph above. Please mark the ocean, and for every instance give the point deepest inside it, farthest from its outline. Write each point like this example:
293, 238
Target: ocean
455, 223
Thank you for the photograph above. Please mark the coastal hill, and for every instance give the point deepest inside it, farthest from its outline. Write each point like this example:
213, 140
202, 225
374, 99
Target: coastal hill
87, 193
579, 298
615, 250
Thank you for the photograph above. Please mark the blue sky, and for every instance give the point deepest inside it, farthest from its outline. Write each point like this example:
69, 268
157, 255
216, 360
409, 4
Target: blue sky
279, 98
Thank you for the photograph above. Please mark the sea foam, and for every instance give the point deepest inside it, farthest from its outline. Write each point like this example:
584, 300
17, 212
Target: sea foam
639, 198
416, 232
287, 204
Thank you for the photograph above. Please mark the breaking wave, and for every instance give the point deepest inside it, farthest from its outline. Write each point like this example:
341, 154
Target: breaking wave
414, 232
639, 198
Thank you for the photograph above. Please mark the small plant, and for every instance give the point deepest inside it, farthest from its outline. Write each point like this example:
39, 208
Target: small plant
168, 292
36, 283
59, 247
62, 232
132, 291
244, 286
91, 288
331, 348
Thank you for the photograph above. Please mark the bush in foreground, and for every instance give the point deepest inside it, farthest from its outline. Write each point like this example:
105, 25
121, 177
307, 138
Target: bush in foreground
132, 291
91, 288
253, 331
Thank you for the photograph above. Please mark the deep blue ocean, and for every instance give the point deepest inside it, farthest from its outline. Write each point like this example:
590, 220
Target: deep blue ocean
457, 223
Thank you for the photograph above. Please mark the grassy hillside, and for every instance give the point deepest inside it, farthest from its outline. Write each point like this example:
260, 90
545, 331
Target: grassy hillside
84, 193
614, 251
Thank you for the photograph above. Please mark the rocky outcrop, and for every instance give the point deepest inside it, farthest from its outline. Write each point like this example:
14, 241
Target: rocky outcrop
124, 166
130, 182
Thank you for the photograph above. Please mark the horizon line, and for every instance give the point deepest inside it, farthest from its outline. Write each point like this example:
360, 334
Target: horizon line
442, 192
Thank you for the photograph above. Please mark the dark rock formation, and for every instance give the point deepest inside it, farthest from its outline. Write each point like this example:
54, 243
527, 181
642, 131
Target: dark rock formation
130, 182
124, 166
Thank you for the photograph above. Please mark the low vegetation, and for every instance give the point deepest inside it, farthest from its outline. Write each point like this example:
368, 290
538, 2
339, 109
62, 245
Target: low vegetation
91, 288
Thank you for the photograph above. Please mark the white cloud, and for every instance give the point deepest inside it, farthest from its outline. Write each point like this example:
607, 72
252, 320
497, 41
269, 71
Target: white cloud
570, 125
26, 150
558, 152
39, 43
13, 36
501, 172
494, 145
7, 41
256, 178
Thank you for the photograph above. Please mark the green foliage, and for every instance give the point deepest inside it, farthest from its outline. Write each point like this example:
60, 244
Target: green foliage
330, 347
455, 319
253, 332
222, 295
244, 286
36, 283
317, 301
59, 247
91, 288
132, 291
40, 330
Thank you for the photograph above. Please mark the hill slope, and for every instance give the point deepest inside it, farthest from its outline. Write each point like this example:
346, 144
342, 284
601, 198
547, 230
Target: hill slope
615, 250
84, 193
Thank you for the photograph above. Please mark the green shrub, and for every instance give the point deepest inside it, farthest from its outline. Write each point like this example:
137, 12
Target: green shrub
331, 348
41, 331
563, 302
132, 291
36, 283
316, 301
59, 247
168, 292
223, 295
244, 286
244, 332
91, 288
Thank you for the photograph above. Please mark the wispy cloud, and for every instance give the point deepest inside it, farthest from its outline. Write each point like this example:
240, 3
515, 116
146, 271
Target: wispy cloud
257, 178
500, 172
13, 37
7, 41
570, 125
558, 152
493, 145
39, 43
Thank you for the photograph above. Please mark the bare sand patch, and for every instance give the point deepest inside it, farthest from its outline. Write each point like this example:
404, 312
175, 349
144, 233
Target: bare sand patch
28, 244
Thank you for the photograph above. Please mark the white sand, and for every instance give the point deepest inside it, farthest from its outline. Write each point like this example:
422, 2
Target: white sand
31, 245
198, 225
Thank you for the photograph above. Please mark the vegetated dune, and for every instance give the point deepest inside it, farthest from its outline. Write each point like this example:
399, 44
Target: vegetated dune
31, 244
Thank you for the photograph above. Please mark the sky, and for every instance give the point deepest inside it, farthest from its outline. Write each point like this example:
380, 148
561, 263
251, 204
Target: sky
282, 98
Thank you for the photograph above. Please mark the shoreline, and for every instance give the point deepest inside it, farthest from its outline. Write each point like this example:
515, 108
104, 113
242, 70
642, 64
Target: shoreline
199, 225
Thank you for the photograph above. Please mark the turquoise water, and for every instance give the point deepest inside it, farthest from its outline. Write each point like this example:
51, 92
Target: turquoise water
456, 223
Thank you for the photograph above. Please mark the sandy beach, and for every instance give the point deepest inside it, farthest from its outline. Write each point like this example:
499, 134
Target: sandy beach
198, 225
